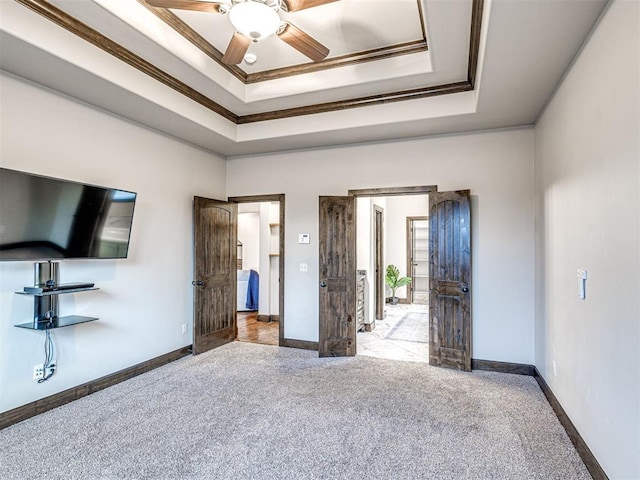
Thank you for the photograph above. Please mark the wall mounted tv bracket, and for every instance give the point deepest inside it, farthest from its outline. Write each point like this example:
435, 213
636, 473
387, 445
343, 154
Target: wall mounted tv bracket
45, 293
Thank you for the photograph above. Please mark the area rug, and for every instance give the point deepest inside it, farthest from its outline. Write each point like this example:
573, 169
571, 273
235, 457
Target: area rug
413, 327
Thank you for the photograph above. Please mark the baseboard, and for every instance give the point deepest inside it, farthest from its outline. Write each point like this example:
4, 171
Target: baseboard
580, 445
502, 367
274, 318
303, 344
583, 450
32, 409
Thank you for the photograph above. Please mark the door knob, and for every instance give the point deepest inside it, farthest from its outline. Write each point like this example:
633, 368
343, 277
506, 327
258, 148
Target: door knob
323, 284
465, 289
197, 282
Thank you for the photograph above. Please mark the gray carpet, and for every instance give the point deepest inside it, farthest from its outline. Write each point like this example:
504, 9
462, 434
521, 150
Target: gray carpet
246, 411
413, 327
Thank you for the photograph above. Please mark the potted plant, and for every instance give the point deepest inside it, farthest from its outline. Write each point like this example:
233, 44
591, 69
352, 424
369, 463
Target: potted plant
395, 281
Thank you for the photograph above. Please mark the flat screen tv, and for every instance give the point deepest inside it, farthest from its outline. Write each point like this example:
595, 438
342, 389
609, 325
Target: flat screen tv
43, 218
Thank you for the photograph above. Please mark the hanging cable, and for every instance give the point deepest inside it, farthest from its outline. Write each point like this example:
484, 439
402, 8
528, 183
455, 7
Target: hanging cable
49, 365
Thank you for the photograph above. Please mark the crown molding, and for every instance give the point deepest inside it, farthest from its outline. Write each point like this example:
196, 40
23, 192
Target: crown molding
80, 29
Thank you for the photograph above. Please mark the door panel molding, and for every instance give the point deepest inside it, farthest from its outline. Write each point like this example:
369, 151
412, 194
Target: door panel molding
450, 279
337, 277
214, 297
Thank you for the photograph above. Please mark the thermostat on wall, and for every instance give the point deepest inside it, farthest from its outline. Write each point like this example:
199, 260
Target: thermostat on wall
303, 238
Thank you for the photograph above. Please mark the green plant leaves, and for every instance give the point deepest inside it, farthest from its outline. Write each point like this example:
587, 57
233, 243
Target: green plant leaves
394, 280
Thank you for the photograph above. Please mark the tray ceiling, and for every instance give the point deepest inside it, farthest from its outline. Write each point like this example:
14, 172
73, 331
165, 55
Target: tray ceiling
395, 69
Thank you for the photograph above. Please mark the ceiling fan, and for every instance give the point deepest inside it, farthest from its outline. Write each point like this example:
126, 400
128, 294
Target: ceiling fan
255, 20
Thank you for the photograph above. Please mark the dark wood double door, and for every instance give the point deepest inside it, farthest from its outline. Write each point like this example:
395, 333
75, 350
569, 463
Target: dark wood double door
449, 271
215, 240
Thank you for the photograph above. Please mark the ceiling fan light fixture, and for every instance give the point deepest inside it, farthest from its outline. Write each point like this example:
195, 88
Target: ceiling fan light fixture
254, 19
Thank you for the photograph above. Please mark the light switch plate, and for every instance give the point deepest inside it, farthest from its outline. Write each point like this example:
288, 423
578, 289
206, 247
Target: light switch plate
303, 238
304, 267
582, 280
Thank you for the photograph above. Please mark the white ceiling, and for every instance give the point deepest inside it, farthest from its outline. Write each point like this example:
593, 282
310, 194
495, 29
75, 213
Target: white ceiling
525, 47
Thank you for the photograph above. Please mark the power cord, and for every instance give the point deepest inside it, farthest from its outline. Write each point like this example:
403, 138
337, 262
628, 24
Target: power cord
49, 366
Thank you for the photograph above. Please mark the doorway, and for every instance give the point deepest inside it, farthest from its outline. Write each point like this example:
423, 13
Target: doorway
217, 256
399, 330
449, 274
260, 269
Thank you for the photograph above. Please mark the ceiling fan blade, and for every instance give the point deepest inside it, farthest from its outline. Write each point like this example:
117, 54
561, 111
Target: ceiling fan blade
295, 5
197, 5
303, 42
236, 49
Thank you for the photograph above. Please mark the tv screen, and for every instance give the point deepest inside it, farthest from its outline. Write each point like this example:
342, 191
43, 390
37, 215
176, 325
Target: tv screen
43, 218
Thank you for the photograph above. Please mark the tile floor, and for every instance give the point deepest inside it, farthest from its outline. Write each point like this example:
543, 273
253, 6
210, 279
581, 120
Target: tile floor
384, 342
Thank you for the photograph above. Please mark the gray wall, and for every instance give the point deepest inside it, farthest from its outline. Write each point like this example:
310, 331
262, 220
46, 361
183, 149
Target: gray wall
587, 177
144, 300
496, 166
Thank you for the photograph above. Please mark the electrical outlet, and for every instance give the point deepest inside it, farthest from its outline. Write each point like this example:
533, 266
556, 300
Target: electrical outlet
184, 328
555, 371
38, 371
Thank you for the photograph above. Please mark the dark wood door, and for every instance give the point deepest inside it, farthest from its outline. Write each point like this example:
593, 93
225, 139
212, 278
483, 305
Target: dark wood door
379, 262
450, 279
215, 237
337, 283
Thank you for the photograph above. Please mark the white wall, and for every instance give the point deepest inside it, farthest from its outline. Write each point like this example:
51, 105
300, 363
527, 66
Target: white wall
265, 261
274, 261
143, 300
587, 177
248, 234
496, 166
396, 213
365, 248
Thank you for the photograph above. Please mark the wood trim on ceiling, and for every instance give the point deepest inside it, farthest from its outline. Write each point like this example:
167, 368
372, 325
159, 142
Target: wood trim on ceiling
66, 21
357, 102
171, 19
474, 40
175, 22
342, 61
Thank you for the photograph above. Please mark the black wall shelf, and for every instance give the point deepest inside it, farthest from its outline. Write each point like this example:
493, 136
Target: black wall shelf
45, 303
58, 292
57, 322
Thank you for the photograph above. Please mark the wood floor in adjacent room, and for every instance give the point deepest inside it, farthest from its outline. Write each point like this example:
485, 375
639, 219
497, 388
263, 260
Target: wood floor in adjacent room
252, 331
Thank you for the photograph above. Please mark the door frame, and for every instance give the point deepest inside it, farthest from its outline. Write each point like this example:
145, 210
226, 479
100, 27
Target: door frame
379, 262
279, 197
389, 192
